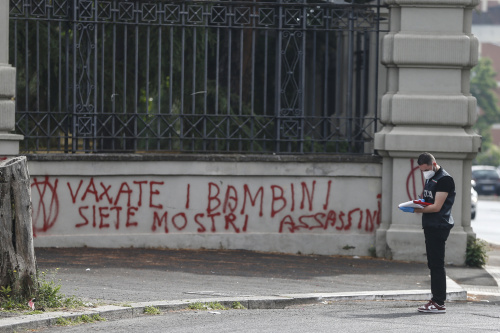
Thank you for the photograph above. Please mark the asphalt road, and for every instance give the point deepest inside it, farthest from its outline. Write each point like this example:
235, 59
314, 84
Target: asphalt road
354, 316
480, 315
486, 225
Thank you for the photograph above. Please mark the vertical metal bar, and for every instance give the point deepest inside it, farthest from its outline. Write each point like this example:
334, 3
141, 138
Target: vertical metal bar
313, 62
252, 93
92, 96
148, 39
229, 58
205, 88
240, 106
37, 66
171, 80
49, 109
136, 83
228, 112
266, 52
146, 116
183, 49
74, 79
96, 79
125, 61
302, 78
103, 116
67, 89
364, 82
338, 73
171, 70
193, 109
193, 76
350, 48
114, 95
240, 103
37, 70
325, 114
358, 88
26, 78
277, 101
93, 139
366, 73
205, 79
273, 112
59, 82
159, 116
217, 61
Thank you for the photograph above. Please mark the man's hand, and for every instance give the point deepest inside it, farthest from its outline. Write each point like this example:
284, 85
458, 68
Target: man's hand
407, 209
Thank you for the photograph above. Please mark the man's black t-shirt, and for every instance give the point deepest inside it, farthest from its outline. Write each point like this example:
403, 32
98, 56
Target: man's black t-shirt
440, 182
446, 184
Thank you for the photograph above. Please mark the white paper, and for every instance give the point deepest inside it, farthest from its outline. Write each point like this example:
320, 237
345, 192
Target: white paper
410, 204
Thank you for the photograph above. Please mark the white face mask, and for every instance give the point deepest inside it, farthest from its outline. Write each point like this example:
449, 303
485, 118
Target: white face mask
428, 174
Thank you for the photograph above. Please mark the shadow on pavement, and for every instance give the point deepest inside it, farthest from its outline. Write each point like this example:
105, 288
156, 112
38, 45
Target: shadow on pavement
223, 262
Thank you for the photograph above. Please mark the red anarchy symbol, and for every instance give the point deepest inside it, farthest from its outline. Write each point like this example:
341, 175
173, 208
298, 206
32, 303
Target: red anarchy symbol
46, 209
412, 180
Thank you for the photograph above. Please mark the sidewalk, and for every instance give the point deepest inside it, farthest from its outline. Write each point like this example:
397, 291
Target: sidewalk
128, 280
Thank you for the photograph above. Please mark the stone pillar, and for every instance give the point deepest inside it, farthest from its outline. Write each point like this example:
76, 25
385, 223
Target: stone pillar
9, 143
428, 52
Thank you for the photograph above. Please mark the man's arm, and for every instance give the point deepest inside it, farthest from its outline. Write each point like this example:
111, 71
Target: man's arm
436, 206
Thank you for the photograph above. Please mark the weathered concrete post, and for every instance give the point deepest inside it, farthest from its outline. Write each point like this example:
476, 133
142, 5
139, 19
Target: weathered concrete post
429, 53
9, 143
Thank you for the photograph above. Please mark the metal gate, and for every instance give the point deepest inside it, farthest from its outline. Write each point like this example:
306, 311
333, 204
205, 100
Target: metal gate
280, 76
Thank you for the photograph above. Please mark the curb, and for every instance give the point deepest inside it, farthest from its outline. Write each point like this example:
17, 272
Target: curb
114, 312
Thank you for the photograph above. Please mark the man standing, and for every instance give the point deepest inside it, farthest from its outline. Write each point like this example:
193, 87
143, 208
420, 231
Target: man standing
439, 191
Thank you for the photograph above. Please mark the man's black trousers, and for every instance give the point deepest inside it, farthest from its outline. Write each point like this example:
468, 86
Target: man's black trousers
435, 241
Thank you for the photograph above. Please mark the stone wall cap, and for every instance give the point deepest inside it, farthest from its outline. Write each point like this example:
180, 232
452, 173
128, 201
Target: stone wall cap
205, 158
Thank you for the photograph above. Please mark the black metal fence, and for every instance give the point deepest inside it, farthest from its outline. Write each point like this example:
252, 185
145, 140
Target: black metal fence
281, 76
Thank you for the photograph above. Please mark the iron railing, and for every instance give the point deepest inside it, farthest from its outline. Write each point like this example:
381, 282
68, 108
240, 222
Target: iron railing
195, 76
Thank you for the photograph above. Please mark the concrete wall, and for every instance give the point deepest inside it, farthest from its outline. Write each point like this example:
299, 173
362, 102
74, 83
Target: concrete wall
285, 204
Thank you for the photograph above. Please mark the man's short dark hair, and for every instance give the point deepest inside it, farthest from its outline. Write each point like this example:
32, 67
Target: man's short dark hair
426, 158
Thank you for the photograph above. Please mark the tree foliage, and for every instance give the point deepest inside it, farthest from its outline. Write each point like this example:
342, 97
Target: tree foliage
482, 86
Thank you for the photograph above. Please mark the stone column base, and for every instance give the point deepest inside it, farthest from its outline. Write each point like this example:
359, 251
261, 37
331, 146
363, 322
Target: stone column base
409, 244
9, 144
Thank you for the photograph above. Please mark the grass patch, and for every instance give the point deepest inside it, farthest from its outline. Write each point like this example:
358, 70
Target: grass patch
34, 312
237, 306
214, 306
47, 295
197, 306
63, 322
151, 310
83, 319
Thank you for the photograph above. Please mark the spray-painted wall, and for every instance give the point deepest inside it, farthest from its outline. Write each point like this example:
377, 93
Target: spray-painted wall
285, 204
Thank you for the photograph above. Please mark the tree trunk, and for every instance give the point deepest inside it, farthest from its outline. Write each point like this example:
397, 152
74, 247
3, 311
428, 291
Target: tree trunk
17, 254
